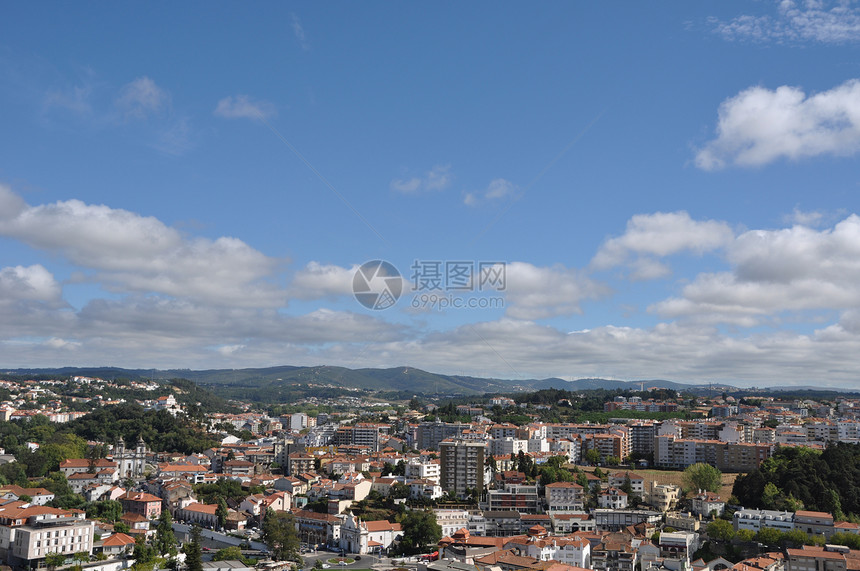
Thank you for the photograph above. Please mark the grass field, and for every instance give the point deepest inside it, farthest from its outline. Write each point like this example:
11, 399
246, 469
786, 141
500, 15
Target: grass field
672, 477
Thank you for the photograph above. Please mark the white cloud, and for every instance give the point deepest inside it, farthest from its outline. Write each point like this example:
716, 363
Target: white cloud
11, 205
141, 98
227, 350
243, 107
437, 178
812, 218
776, 271
31, 283
661, 234
759, 126
645, 268
130, 252
498, 189
316, 281
55, 343
796, 21
533, 292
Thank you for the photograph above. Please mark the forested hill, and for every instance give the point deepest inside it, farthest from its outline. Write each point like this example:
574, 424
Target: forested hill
803, 478
271, 384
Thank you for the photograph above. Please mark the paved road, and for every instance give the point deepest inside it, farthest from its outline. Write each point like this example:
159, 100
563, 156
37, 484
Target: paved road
366, 562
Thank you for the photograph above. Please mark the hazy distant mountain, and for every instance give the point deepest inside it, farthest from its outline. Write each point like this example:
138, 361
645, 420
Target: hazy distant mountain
592, 384
279, 382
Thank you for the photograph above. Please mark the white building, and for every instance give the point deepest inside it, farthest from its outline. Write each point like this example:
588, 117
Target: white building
508, 445
424, 470
612, 498
451, 521
358, 536
757, 519
564, 497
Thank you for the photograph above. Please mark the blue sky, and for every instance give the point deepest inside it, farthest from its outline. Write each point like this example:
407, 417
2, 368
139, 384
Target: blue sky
670, 188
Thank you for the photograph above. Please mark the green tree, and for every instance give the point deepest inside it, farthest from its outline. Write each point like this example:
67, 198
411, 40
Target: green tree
702, 476
745, 535
627, 486
121, 527
193, 551
105, 510
770, 495
144, 554
769, 536
165, 539
280, 535
797, 537
592, 456
420, 530
221, 513
582, 480
721, 530
54, 560
232, 553
399, 490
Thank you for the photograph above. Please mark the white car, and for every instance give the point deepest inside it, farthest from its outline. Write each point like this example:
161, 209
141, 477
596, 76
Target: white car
326, 566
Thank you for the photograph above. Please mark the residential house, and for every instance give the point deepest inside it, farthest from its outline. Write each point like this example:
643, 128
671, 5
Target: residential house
117, 545
147, 505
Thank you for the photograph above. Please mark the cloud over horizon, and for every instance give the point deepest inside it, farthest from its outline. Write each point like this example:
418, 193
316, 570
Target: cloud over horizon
171, 300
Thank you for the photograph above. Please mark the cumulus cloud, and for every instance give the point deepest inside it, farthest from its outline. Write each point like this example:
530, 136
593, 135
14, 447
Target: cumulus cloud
243, 107
832, 22
533, 292
437, 178
317, 280
775, 271
659, 235
812, 218
510, 348
760, 125
30, 283
130, 252
140, 98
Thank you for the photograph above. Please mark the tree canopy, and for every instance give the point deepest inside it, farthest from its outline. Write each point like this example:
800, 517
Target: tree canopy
828, 481
279, 534
420, 529
703, 477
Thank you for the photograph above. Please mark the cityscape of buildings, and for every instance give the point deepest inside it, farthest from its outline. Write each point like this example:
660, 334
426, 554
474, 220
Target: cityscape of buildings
469, 474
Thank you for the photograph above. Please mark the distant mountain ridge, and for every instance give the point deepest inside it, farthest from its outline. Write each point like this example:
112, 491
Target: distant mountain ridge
391, 379
394, 380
